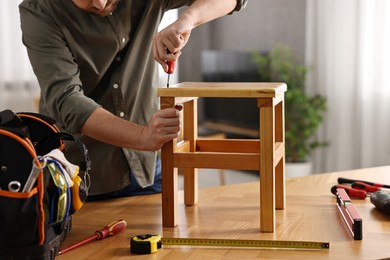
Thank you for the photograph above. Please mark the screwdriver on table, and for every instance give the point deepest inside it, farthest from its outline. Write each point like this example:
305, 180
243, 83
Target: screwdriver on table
110, 230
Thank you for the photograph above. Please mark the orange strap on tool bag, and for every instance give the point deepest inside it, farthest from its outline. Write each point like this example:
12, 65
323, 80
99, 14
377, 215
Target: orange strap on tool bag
39, 189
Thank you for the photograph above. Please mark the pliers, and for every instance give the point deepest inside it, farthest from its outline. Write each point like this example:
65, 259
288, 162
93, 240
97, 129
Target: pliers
358, 189
362, 189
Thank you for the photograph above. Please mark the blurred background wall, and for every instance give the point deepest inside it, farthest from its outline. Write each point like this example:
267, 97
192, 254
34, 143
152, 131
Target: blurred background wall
259, 26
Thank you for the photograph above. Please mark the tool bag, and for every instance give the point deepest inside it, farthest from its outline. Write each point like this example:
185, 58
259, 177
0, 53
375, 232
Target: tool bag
39, 189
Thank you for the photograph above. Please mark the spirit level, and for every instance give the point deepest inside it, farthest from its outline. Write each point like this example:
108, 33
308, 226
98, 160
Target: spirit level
349, 213
147, 244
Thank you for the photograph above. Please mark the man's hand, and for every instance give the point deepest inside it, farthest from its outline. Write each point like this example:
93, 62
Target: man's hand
163, 127
108, 128
167, 43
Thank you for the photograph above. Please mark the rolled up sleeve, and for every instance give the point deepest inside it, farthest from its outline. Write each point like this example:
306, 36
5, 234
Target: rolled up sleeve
62, 95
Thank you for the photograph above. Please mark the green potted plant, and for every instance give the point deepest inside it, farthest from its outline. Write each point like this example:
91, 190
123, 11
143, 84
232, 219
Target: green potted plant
303, 113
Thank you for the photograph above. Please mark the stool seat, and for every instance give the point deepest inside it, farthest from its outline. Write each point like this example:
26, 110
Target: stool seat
224, 89
265, 154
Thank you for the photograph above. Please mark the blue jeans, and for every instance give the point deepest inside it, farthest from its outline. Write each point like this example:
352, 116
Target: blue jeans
133, 189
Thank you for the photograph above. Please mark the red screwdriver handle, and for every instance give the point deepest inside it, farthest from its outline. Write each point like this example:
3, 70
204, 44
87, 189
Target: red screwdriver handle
171, 67
111, 229
171, 64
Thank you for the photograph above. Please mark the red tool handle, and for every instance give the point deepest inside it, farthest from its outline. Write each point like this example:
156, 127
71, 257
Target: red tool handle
355, 193
109, 230
364, 186
171, 67
171, 64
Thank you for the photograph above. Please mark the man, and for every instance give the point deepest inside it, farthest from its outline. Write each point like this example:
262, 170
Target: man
94, 63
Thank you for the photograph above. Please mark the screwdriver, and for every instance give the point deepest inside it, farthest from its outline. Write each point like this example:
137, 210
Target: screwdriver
110, 230
171, 68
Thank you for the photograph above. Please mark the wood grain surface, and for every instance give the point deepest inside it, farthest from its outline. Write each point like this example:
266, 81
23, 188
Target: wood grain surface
232, 212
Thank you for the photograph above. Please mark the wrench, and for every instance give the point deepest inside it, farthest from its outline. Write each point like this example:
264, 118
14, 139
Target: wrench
34, 173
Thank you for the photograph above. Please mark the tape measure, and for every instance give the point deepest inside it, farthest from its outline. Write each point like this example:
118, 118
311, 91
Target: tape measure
147, 244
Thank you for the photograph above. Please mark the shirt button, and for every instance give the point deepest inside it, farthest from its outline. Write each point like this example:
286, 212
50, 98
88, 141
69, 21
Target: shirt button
115, 86
123, 40
118, 58
121, 114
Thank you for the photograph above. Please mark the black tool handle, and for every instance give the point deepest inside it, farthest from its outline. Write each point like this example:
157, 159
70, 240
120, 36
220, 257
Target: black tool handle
381, 200
342, 180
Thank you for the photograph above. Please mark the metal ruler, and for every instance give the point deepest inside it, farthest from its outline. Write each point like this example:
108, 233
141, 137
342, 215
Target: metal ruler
146, 244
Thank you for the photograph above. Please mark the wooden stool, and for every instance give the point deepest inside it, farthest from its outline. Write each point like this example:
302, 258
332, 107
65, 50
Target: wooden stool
265, 154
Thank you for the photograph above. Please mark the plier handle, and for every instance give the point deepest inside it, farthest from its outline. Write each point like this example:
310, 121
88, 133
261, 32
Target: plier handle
352, 192
364, 186
342, 180
358, 189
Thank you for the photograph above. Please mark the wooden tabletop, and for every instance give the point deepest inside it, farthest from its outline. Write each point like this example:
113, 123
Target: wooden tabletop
224, 89
232, 212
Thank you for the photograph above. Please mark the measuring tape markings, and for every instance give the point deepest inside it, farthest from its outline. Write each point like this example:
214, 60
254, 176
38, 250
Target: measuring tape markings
146, 244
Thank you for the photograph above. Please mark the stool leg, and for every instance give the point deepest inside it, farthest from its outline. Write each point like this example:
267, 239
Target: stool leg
169, 188
169, 193
267, 169
190, 133
222, 180
169, 177
280, 185
190, 186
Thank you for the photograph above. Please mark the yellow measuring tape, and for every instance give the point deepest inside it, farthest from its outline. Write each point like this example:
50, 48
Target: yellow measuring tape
147, 244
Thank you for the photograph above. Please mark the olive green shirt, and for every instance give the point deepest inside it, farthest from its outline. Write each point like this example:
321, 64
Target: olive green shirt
83, 61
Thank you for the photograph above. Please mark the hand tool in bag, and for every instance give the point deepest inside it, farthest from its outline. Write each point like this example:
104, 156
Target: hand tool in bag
349, 214
345, 180
110, 230
381, 200
147, 244
36, 168
171, 68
